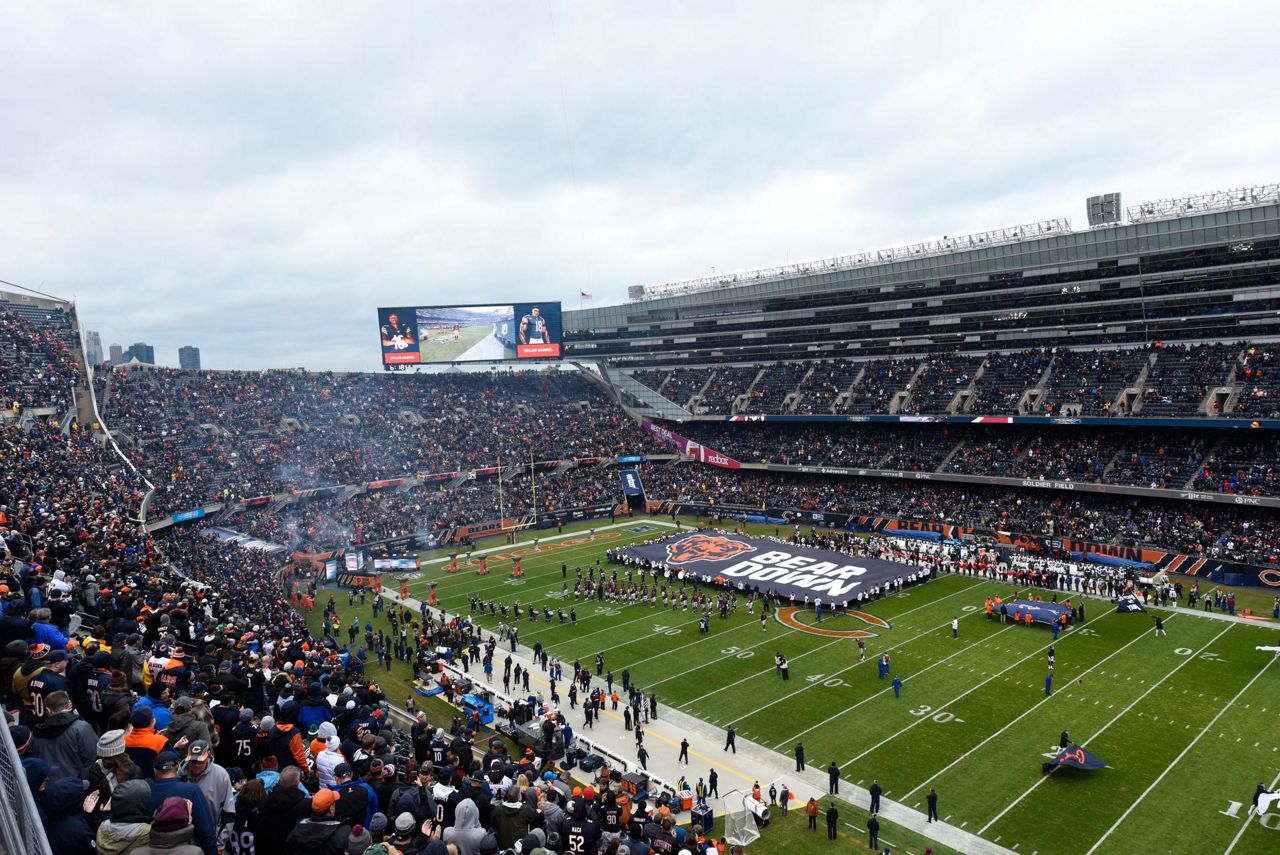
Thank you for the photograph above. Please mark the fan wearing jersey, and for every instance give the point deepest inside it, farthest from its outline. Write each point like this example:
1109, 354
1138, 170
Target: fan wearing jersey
579, 835
533, 328
610, 815
48, 680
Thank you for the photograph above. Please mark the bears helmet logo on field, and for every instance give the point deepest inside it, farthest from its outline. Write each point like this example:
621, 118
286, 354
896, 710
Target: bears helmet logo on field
706, 547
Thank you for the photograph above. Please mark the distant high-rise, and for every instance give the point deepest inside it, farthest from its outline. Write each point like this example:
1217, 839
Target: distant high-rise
142, 352
117, 354
92, 347
189, 357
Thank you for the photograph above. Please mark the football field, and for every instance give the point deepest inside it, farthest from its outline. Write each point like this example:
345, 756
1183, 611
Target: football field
1189, 723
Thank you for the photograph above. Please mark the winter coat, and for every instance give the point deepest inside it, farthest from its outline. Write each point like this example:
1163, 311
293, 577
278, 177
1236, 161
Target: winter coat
170, 843
328, 760
277, 816
64, 821
318, 837
511, 821
190, 726
66, 742
130, 823
123, 838
314, 712
466, 832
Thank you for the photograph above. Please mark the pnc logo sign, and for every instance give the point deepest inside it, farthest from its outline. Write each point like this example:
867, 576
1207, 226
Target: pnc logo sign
706, 547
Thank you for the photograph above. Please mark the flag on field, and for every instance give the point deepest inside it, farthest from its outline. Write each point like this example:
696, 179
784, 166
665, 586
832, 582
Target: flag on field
1074, 757
583, 295
1129, 603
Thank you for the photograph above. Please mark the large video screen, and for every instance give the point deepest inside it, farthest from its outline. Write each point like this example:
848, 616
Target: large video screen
510, 332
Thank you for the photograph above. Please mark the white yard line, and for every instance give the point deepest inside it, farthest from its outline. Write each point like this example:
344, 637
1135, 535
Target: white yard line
922, 719
968, 589
459, 587
889, 688
1178, 759
1028, 712
554, 537
1188, 660
702, 640
814, 685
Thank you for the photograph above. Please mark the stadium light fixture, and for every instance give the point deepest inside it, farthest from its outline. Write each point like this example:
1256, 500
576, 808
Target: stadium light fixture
1204, 203
942, 246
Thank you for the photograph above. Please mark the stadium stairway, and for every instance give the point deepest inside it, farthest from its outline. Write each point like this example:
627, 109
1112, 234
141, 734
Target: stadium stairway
752, 762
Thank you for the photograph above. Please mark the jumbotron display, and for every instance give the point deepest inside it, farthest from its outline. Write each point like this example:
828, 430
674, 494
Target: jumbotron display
497, 332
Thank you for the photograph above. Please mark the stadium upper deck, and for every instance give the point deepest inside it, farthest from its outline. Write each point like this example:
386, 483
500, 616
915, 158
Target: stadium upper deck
1197, 277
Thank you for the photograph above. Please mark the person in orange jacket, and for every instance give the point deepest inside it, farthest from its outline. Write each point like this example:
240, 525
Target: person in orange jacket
811, 811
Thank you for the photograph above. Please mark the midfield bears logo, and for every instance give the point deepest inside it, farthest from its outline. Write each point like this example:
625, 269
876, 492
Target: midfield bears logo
706, 547
788, 617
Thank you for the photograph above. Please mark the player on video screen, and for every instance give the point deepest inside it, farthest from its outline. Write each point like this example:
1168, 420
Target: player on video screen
533, 328
396, 335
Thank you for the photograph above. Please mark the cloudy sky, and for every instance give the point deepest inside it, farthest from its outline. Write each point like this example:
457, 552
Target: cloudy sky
256, 178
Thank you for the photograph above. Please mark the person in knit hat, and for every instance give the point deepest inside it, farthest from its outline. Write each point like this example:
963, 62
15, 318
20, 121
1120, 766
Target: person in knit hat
359, 840
171, 830
378, 827
112, 768
21, 735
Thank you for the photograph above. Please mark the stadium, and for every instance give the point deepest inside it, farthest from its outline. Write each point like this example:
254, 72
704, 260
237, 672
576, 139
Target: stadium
917, 546
881, 475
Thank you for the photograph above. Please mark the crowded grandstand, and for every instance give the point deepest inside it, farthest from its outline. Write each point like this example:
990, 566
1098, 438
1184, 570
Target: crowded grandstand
1104, 423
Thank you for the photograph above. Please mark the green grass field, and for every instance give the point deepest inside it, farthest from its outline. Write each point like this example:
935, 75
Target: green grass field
444, 351
1189, 723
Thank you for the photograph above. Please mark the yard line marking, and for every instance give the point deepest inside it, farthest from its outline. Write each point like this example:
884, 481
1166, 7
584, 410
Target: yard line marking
1028, 712
922, 719
967, 589
700, 640
1178, 760
569, 534
1248, 819
870, 697
779, 700
462, 586
1186, 661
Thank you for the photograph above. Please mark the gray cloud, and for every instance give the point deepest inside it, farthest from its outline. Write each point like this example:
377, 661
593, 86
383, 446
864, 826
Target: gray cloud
255, 179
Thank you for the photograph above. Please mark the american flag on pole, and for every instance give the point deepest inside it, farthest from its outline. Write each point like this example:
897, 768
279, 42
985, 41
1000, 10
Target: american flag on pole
583, 295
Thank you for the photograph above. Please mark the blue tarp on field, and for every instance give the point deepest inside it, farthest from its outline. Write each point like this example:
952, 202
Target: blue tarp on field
1075, 757
1041, 612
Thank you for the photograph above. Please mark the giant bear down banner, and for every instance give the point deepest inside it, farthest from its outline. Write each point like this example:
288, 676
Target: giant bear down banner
793, 571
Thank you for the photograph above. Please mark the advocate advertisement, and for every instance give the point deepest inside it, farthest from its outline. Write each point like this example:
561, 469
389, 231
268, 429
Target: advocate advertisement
503, 332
